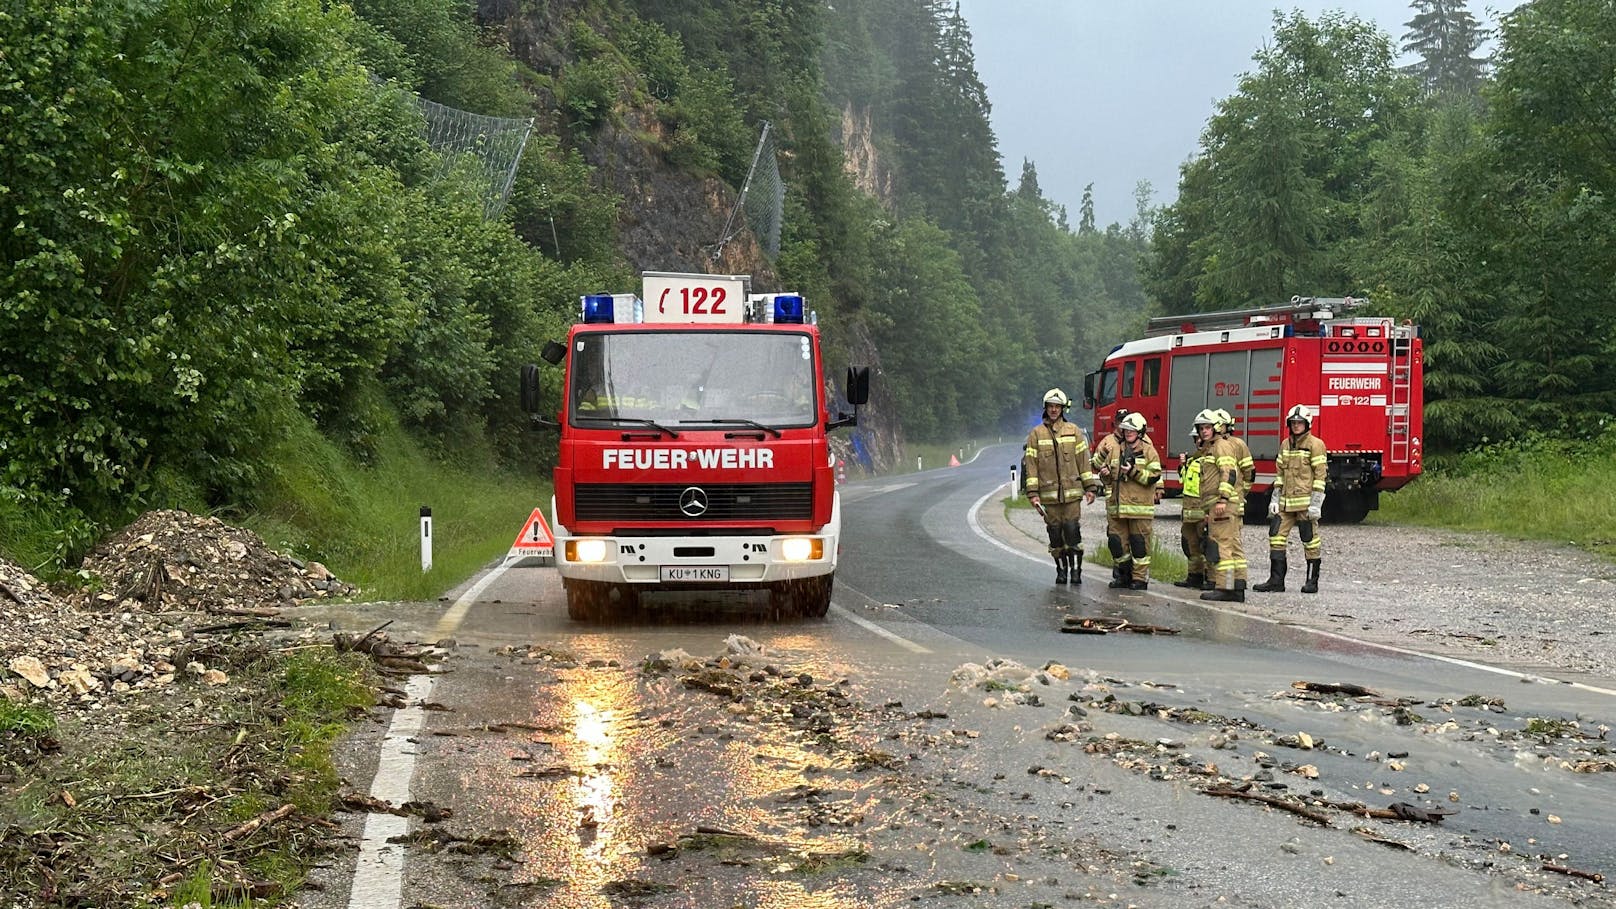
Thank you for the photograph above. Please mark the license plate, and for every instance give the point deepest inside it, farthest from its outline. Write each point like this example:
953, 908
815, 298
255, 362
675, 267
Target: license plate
695, 573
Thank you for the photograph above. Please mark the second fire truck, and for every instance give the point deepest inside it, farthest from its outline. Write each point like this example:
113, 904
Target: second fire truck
1360, 375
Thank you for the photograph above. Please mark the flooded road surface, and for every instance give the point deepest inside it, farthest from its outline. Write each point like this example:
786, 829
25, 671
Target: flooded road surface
938, 741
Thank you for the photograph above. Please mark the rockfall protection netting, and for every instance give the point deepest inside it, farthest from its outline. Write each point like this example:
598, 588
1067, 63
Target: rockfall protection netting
763, 198
493, 144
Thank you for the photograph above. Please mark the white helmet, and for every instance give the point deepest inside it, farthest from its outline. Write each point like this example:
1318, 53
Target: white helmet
1134, 421
1208, 416
1224, 419
1300, 412
1056, 396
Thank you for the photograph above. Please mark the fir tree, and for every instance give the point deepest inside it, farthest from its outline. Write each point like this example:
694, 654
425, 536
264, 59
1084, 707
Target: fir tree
1446, 37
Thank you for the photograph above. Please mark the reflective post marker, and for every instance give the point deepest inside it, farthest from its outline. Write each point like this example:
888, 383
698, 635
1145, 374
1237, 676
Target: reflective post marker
1015, 488
917, 464
426, 538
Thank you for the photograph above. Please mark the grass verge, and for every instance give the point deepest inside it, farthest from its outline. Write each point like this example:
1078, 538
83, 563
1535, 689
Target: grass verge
927, 455
1535, 489
143, 807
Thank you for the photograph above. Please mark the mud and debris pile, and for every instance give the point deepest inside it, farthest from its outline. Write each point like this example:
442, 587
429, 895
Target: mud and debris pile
160, 596
173, 559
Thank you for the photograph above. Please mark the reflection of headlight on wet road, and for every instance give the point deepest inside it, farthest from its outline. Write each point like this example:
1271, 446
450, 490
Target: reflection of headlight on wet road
586, 550
801, 549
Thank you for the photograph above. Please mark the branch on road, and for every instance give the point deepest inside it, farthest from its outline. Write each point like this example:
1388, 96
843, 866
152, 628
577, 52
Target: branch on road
1281, 804
1357, 691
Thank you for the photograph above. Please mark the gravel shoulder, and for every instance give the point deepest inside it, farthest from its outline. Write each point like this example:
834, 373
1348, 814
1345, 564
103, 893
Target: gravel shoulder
1529, 606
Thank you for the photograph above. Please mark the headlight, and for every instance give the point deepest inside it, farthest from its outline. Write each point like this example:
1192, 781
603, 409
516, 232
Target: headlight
586, 550
801, 549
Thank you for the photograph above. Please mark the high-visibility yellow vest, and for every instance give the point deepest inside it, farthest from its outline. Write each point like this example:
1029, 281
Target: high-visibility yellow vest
1190, 475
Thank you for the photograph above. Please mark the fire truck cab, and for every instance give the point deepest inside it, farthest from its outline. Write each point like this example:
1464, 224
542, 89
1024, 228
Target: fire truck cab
1361, 376
694, 450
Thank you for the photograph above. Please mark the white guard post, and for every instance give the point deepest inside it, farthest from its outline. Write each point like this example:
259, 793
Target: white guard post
426, 538
1015, 488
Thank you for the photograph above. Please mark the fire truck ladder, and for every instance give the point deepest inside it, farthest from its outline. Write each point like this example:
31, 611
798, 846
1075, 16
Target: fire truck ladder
1397, 408
1298, 308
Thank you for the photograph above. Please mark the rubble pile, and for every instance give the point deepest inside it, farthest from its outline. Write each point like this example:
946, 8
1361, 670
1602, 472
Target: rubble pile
177, 559
160, 593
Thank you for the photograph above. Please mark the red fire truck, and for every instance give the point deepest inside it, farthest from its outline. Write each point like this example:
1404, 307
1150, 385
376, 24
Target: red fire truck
694, 450
1361, 376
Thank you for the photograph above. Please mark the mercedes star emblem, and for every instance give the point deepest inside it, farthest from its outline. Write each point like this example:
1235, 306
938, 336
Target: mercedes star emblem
693, 501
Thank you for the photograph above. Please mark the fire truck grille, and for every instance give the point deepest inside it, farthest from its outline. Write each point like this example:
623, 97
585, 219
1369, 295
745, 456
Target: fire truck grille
724, 501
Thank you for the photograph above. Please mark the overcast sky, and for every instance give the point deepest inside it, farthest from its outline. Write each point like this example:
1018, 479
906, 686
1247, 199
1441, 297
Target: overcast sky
1111, 92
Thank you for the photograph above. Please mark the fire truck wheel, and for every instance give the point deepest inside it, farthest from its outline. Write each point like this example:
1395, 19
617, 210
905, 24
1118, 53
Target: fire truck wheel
1257, 507
1346, 508
806, 597
586, 600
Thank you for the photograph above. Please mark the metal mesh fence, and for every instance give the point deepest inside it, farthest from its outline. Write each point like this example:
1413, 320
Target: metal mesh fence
763, 198
495, 143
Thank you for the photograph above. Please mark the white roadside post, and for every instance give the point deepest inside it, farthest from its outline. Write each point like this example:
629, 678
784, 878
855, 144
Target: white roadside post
917, 464
426, 538
1015, 488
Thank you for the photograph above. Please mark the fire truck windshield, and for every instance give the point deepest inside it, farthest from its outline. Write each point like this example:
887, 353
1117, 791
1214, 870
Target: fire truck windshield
692, 377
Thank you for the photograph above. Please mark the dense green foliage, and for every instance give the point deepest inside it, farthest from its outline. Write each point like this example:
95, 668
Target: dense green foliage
1489, 224
224, 226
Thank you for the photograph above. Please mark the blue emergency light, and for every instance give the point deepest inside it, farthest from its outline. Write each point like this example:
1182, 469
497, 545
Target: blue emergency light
788, 308
598, 308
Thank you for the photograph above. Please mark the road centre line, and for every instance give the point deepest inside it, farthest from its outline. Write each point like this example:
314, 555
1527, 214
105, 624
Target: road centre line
976, 526
378, 881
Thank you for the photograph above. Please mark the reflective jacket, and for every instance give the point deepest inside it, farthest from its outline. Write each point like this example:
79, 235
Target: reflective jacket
1056, 462
1220, 475
1300, 470
1248, 468
1133, 492
1189, 474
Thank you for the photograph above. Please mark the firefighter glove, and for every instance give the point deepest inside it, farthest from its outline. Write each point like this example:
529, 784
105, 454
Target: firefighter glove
1273, 504
1315, 506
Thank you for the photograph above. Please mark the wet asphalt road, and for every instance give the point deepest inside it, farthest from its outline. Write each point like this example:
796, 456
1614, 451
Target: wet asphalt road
626, 760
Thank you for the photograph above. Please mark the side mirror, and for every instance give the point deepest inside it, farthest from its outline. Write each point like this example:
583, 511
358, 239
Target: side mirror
1088, 392
553, 353
858, 385
858, 394
530, 388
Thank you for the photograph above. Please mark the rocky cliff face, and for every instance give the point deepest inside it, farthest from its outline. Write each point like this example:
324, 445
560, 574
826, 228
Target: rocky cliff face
862, 160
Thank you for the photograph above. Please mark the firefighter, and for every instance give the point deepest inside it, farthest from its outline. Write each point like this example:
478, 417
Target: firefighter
1190, 530
1297, 500
1059, 478
1221, 490
1131, 468
1248, 467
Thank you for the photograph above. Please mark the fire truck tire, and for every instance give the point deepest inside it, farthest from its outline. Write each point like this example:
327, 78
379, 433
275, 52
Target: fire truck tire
586, 600
1346, 508
806, 597
1257, 507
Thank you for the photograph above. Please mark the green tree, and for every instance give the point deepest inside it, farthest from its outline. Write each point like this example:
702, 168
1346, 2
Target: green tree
1446, 37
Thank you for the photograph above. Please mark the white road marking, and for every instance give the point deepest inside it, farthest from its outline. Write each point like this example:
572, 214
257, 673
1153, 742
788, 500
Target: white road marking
976, 526
379, 870
873, 628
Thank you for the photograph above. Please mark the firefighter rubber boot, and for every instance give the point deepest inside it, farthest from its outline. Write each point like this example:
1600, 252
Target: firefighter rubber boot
1237, 595
1311, 585
1277, 567
1074, 565
1121, 575
1193, 580
1060, 568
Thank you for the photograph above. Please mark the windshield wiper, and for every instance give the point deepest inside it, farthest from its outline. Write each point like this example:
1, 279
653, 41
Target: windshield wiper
738, 421
651, 423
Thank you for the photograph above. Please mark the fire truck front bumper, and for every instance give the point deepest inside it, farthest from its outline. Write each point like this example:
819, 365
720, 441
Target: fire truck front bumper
696, 561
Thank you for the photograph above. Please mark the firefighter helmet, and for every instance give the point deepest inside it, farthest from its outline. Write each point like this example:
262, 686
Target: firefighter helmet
1056, 396
1135, 422
1208, 417
1224, 418
1300, 412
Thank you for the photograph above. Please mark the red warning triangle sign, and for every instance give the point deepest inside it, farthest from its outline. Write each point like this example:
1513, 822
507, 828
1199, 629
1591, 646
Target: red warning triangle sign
953, 461
535, 538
